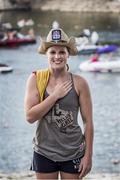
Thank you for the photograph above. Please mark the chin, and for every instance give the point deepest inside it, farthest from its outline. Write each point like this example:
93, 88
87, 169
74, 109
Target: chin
58, 68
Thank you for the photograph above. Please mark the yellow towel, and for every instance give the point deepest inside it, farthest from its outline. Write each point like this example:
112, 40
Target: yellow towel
42, 80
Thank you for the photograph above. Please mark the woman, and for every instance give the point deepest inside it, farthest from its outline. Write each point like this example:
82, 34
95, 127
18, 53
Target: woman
59, 145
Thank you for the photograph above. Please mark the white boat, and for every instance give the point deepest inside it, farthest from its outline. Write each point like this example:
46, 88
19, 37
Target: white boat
87, 38
5, 68
87, 49
100, 66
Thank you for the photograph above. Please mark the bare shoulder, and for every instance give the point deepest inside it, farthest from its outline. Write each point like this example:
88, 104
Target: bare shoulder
80, 83
31, 81
31, 85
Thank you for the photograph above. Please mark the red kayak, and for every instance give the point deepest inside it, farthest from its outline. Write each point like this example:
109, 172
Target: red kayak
17, 42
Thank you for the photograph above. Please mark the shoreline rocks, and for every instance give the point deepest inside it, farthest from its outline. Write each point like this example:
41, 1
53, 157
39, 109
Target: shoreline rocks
80, 6
109, 6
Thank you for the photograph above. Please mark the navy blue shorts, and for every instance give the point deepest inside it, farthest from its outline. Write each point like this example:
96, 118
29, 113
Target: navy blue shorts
41, 164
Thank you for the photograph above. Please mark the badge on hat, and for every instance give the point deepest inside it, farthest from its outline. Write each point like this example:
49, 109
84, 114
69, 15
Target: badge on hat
56, 35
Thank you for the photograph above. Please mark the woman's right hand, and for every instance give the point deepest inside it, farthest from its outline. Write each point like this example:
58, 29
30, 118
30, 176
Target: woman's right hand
62, 89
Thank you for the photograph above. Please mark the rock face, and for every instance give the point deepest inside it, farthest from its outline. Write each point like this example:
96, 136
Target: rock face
5, 4
14, 4
64, 5
79, 5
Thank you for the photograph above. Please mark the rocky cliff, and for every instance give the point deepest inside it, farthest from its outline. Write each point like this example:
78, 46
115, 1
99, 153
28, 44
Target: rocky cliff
64, 5
79, 5
15, 4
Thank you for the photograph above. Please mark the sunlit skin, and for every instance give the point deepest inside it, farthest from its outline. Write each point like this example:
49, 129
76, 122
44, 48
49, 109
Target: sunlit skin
57, 57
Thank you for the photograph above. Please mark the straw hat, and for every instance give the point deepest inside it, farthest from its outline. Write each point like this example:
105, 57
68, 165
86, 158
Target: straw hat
58, 37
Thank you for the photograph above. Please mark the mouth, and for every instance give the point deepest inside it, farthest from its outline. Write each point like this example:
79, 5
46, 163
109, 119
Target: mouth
57, 61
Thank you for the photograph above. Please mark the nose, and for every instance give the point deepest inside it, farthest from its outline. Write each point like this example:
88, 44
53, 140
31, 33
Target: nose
57, 55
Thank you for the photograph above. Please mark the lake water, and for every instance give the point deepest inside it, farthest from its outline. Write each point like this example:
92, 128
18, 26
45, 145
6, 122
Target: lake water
16, 134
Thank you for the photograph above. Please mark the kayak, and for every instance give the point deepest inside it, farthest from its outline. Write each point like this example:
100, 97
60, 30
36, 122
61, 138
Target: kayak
92, 49
100, 66
5, 68
106, 49
16, 42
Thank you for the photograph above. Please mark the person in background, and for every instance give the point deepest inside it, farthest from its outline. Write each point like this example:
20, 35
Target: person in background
95, 58
59, 145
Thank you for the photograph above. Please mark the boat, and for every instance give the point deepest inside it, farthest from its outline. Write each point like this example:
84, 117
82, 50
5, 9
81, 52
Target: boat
5, 68
106, 49
14, 38
100, 66
91, 49
87, 49
16, 42
87, 38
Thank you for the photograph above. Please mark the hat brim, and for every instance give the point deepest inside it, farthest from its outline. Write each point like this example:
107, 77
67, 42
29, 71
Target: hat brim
70, 44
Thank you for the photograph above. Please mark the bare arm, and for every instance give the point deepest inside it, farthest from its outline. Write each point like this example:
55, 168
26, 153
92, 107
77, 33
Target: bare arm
86, 113
33, 107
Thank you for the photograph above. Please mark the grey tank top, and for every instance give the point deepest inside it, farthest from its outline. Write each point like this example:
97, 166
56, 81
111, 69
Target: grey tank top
58, 134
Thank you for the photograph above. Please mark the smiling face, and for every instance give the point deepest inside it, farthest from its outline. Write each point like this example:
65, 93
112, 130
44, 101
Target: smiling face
57, 57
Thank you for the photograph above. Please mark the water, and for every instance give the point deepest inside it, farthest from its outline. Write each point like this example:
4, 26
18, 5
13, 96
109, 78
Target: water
16, 134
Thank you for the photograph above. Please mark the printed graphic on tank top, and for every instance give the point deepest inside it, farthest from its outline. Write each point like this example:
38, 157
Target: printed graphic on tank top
61, 118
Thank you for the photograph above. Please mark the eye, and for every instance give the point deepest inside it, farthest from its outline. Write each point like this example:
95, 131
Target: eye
52, 52
62, 52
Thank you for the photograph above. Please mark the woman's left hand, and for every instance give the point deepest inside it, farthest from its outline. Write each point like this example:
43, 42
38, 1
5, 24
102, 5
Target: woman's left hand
85, 166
